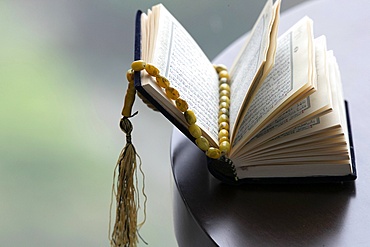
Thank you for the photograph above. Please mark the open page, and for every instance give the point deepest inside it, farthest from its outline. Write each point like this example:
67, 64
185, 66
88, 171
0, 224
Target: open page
290, 80
331, 124
297, 150
184, 64
320, 142
338, 91
318, 103
249, 65
338, 98
316, 129
271, 52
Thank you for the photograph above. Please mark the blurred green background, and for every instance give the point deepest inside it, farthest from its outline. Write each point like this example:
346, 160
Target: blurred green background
62, 81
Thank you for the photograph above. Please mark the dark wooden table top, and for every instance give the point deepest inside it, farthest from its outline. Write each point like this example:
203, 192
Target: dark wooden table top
210, 213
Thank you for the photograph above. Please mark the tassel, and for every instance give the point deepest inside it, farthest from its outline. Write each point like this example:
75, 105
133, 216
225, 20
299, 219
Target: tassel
125, 231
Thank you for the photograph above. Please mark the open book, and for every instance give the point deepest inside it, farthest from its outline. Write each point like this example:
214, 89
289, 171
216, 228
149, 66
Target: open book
287, 116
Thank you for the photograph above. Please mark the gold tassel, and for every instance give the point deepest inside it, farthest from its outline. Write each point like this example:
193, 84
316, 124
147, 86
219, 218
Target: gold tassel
125, 230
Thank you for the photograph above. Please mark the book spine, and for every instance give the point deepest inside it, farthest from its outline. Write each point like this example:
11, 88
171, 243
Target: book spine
223, 169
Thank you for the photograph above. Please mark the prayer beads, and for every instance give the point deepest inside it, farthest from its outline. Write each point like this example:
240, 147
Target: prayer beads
182, 105
138, 65
224, 125
224, 105
195, 131
151, 69
224, 93
130, 75
202, 143
162, 81
223, 118
223, 133
225, 146
223, 114
172, 93
219, 67
213, 153
224, 86
223, 139
190, 117
223, 74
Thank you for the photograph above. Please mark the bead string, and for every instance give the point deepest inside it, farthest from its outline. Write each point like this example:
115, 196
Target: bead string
182, 105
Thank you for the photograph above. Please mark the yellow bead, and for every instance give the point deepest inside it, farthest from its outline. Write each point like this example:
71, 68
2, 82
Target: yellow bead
225, 93
172, 93
182, 105
223, 125
202, 143
224, 86
130, 75
151, 69
138, 65
223, 111
223, 139
222, 81
223, 133
224, 105
225, 99
195, 131
162, 81
213, 153
223, 74
190, 117
225, 147
223, 118
220, 67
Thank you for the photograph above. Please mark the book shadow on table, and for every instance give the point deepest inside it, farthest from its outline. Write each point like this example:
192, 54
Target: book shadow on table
299, 214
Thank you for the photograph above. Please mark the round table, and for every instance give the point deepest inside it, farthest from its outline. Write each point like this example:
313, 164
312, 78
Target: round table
210, 213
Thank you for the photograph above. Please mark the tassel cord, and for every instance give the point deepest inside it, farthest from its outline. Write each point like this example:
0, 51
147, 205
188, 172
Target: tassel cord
125, 230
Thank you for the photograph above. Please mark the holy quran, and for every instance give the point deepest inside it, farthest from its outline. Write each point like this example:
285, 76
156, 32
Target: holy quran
287, 114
